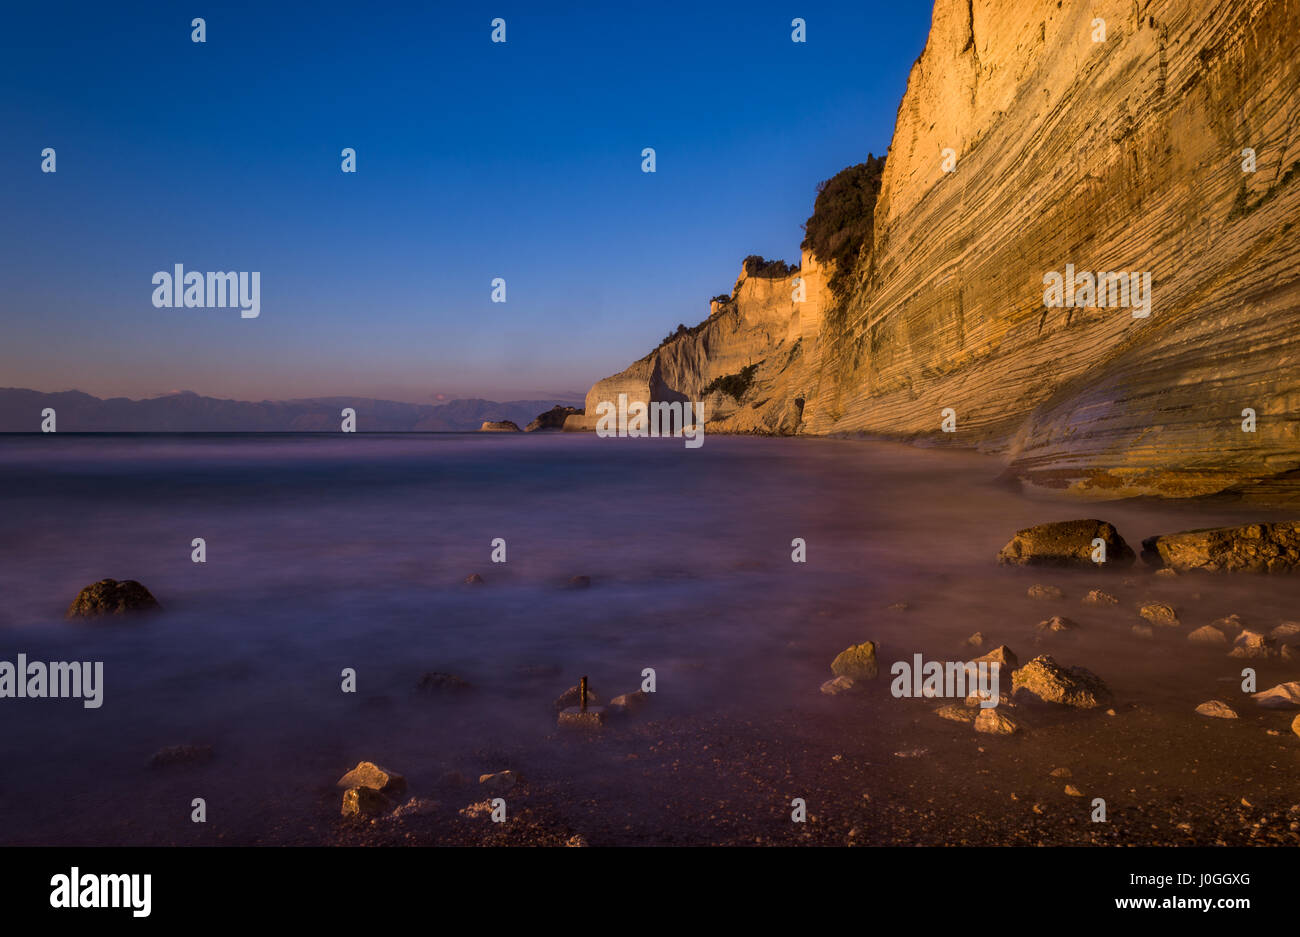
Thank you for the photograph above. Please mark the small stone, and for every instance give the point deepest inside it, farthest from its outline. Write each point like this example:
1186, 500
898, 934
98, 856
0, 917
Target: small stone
1160, 614
955, 713
1038, 809
580, 582
1040, 591
628, 703
364, 802
1002, 655
573, 697
473, 579
576, 841
369, 775
1167, 573
1295, 725
992, 722
1207, 634
1216, 710
181, 755
416, 807
1097, 597
975, 640
1253, 644
110, 597
1058, 623
498, 782
1073, 791
897, 607
1288, 629
857, 662
837, 685
1061, 773
575, 717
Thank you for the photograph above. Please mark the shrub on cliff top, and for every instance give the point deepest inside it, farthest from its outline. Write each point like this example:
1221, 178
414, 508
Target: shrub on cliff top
756, 266
843, 217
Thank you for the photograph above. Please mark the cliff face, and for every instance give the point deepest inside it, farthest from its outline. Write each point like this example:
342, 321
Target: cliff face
1115, 155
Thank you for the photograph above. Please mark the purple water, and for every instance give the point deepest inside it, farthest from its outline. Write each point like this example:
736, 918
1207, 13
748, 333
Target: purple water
332, 552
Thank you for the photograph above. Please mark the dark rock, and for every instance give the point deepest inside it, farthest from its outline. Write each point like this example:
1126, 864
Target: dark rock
364, 802
110, 597
473, 579
1066, 543
580, 582
1256, 548
553, 419
628, 703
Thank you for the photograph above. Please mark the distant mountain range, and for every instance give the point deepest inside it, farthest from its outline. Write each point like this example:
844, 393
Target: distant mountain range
188, 412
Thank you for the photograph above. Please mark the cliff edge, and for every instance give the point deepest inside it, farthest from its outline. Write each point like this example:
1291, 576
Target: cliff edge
1063, 150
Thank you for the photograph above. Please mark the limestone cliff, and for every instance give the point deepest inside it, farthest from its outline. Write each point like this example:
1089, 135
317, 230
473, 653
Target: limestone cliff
1115, 154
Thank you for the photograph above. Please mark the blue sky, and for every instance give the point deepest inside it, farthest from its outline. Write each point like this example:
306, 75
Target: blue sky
475, 160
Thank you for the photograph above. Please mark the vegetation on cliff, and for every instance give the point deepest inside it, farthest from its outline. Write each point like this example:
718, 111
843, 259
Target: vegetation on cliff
733, 384
843, 218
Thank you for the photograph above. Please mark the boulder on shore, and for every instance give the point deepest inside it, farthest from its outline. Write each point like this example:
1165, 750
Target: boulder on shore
370, 776
110, 597
499, 426
1066, 543
1256, 548
1045, 680
364, 802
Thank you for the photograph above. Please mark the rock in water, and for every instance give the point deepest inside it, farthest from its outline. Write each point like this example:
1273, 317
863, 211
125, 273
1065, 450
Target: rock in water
1058, 623
1282, 696
110, 597
857, 662
553, 419
1208, 634
1257, 548
628, 703
1216, 710
1252, 644
573, 697
1097, 597
1040, 591
1160, 614
1001, 655
370, 776
1046, 680
364, 802
499, 426
1066, 543
992, 722
837, 685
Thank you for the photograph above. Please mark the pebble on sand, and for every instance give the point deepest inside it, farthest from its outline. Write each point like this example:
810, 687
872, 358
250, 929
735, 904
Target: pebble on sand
1216, 710
992, 722
837, 685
